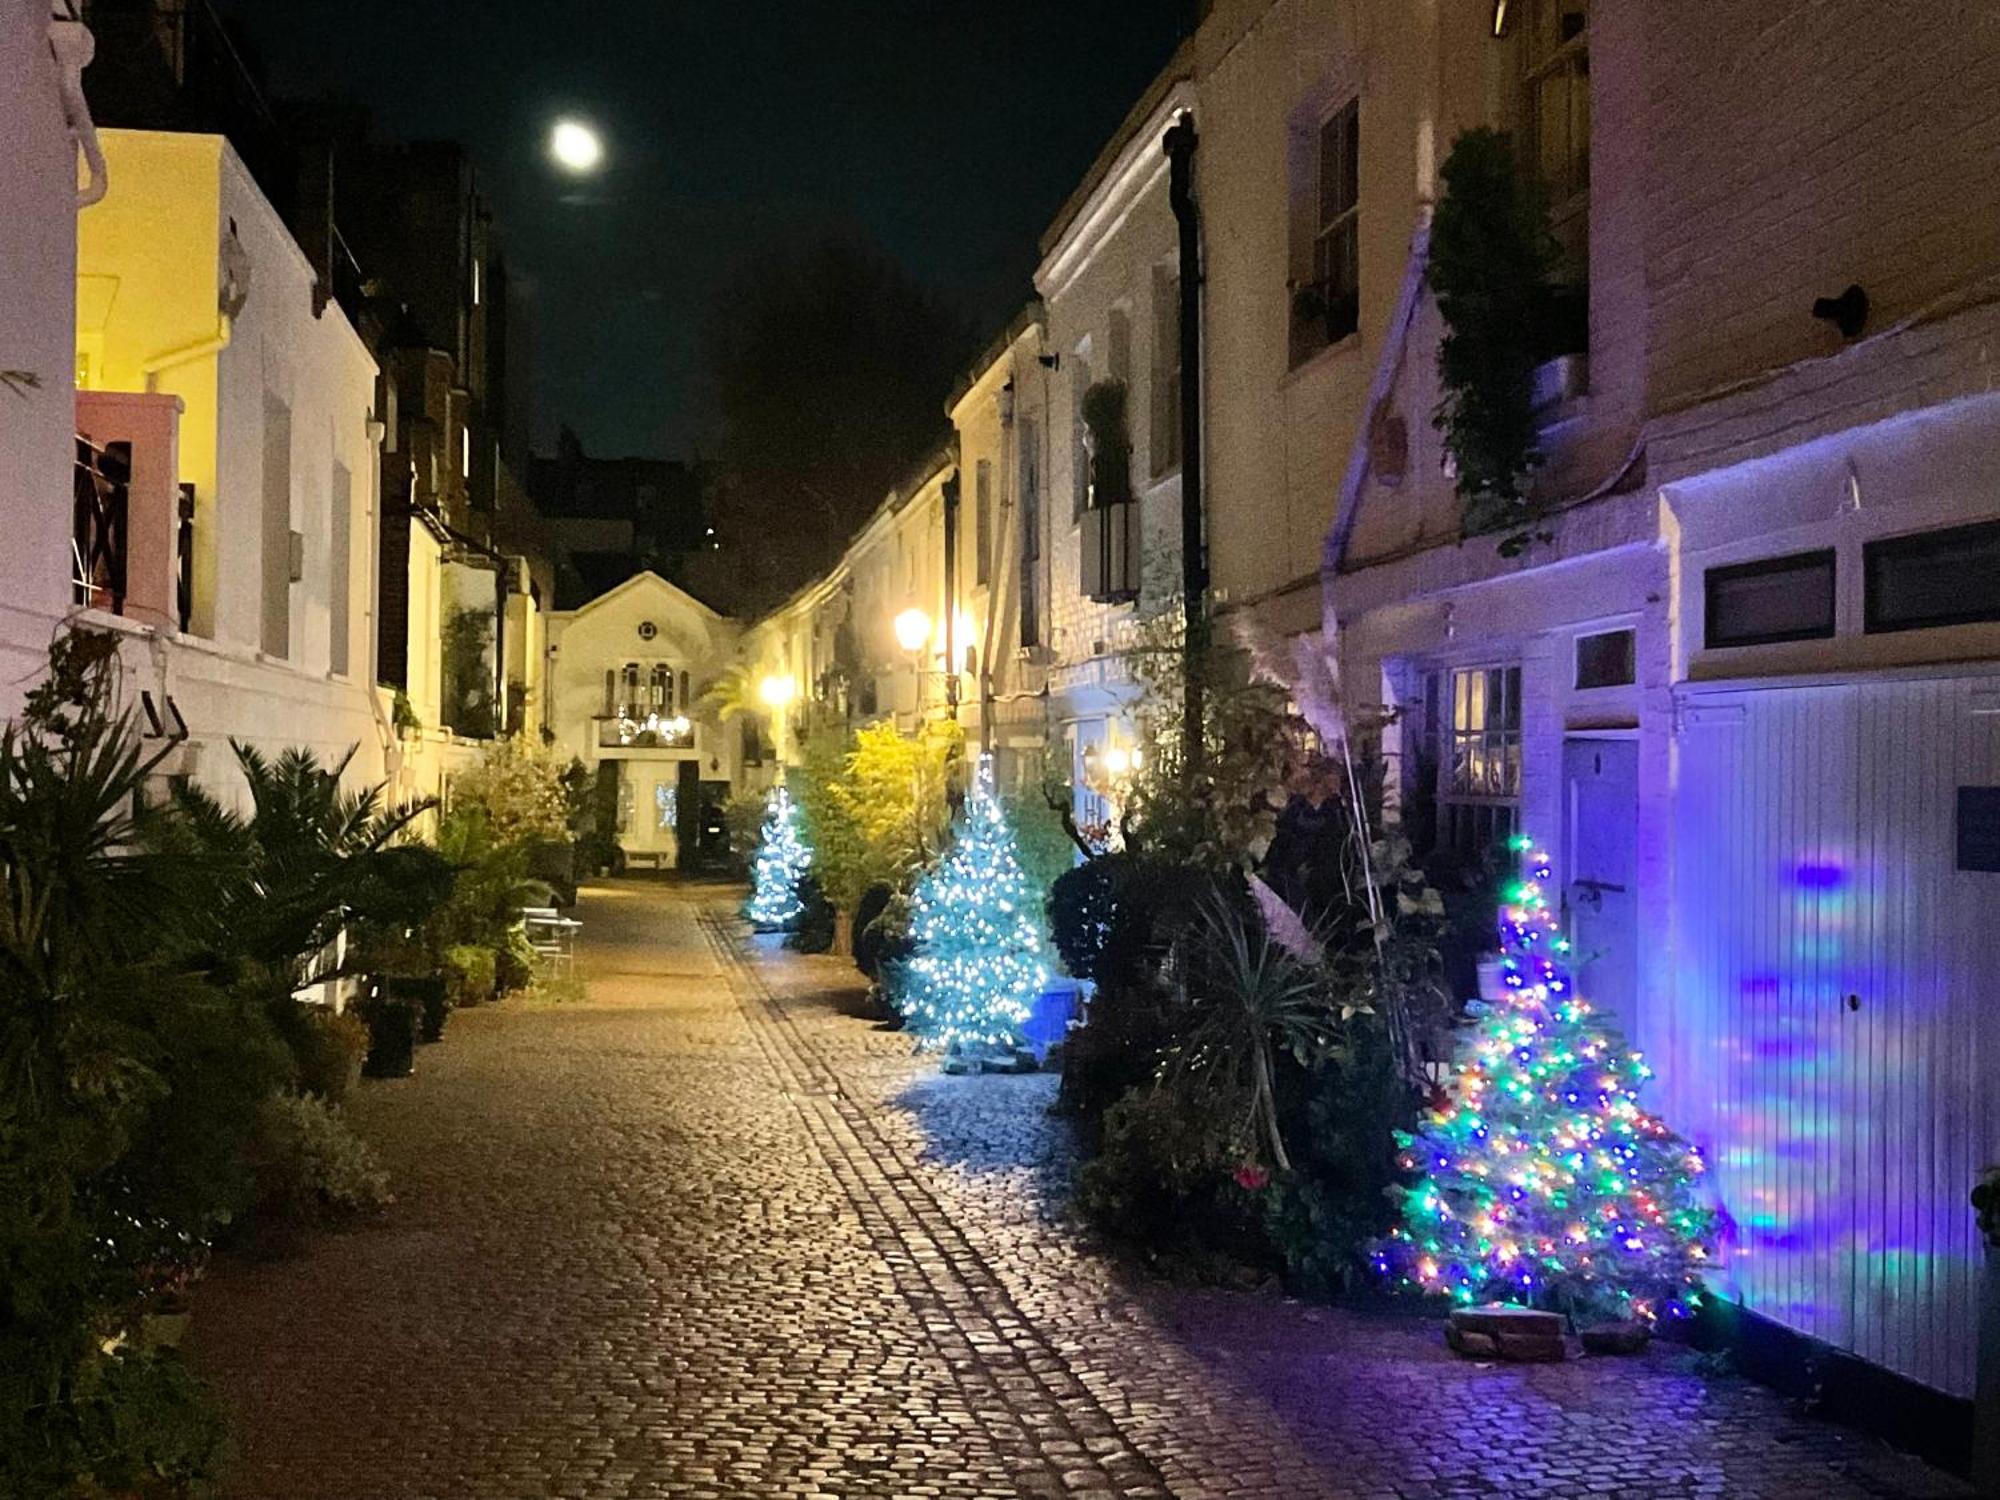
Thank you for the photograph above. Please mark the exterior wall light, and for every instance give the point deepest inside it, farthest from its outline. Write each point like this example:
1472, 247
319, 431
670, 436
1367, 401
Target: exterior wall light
913, 629
777, 690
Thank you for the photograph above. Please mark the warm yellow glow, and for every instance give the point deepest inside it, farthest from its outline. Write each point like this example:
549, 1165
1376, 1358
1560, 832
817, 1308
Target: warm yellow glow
575, 146
1117, 760
777, 690
913, 629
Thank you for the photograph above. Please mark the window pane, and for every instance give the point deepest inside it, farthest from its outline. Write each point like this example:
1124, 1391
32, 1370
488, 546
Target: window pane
1783, 599
1947, 577
1606, 660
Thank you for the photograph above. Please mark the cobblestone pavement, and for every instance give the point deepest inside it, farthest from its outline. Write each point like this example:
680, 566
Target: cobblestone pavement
708, 1234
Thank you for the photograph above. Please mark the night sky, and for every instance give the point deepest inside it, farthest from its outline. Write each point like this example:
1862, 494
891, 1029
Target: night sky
948, 134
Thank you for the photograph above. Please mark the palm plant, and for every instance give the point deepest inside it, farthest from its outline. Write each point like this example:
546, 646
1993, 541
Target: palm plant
313, 859
1252, 998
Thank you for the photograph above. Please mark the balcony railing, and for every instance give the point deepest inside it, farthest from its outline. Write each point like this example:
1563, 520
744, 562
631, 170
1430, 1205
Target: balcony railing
644, 729
100, 521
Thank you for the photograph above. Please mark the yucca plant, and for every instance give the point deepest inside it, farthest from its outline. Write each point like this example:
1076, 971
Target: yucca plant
1251, 998
127, 1086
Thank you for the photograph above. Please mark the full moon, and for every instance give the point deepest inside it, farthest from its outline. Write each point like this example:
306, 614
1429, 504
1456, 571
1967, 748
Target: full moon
575, 146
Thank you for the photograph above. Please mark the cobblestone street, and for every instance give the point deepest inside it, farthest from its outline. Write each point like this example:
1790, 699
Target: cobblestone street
708, 1234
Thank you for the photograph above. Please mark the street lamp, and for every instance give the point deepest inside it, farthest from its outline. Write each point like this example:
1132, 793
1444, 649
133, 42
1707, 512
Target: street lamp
913, 629
777, 690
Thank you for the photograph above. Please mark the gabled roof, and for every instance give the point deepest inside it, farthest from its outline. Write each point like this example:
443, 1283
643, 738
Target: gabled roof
644, 577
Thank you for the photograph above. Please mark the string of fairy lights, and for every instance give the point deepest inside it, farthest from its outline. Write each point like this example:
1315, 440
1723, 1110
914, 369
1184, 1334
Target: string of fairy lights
1541, 1180
782, 861
976, 920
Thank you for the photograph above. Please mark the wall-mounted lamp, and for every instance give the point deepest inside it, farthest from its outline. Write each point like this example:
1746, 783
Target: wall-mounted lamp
777, 690
913, 629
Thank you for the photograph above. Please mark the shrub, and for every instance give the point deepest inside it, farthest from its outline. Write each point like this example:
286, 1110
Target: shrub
310, 1166
513, 962
814, 930
471, 973
327, 1048
867, 941
1167, 1181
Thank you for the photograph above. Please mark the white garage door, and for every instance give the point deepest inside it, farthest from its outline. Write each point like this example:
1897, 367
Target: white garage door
1835, 992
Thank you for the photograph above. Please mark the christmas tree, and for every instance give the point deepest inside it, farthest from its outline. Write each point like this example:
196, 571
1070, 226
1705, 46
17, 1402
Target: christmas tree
782, 860
1543, 1181
975, 920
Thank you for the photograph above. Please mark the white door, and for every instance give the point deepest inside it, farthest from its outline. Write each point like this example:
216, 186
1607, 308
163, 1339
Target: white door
1600, 852
1834, 995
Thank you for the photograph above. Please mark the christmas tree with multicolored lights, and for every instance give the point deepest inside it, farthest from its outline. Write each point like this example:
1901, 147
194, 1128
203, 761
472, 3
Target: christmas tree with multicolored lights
976, 921
782, 860
1542, 1181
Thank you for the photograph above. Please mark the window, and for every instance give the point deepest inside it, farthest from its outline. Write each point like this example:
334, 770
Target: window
275, 634
1949, 577
1774, 599
982, 521
630, 704
1605, 660
1118, 346
1031, 531
1555, 58
1479, 759
340, 563
1326, 294
1079, 382
660, 690
1166, 434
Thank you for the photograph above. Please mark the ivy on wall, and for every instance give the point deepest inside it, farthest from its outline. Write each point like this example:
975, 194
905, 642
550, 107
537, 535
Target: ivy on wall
1492, 263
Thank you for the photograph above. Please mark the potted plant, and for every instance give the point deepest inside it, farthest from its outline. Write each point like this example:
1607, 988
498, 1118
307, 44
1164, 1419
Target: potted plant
390, 1012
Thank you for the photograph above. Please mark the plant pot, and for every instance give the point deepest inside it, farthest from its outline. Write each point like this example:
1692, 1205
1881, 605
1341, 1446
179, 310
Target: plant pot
431, 997
392, 1032
1616, 1338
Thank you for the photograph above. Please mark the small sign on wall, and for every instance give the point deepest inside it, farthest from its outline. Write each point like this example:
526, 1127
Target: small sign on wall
1979, 828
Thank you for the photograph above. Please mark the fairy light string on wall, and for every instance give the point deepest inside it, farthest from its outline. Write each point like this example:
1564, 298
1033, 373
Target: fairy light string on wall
1539, 1178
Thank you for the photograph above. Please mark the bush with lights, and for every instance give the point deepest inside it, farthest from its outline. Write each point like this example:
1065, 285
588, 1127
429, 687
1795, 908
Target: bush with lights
980, 959
782, 861
1541, 1180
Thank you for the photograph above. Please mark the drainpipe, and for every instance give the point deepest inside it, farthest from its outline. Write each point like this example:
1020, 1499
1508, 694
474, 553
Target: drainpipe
73, 45
1180, 145
951, 595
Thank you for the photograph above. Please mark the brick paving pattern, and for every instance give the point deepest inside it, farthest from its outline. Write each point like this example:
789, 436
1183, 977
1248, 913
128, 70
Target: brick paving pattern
710, 1235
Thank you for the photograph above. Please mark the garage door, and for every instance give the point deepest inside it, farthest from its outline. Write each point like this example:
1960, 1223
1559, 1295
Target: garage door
1835, 956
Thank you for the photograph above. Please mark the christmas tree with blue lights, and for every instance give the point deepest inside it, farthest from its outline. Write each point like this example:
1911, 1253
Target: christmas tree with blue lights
979, 963
782, 860
1541, 1180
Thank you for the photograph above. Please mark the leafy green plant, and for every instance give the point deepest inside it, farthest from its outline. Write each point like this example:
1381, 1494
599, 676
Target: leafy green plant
129, 1081
1166, 1182
1251, 1001
466, 665
327, 1049
471, 973
311, 1167
1492, 256
876, 806
312, 860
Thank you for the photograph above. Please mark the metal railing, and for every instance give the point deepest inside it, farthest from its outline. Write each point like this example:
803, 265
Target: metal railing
101, 498
184, 559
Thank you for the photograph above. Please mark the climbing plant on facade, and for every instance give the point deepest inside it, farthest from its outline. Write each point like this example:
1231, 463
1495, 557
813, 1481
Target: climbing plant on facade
1492, 258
